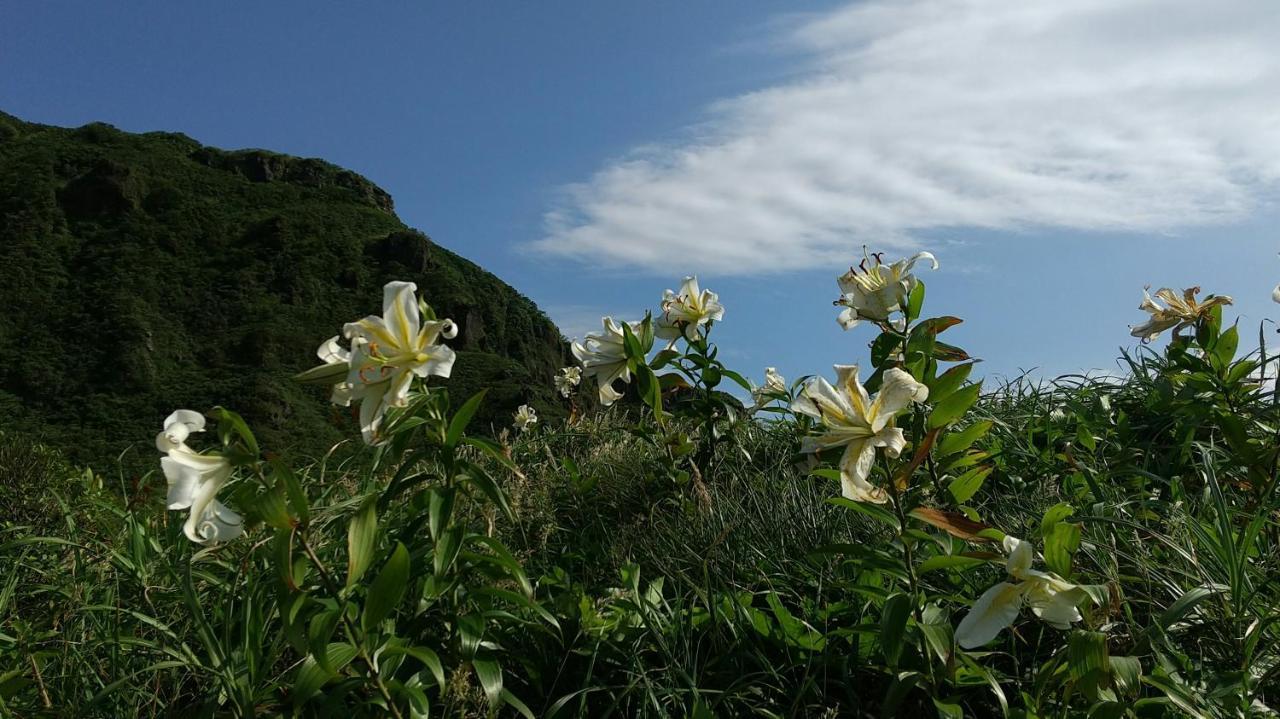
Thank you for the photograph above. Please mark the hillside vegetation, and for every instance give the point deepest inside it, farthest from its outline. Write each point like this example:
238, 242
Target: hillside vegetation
891, 539
140, 270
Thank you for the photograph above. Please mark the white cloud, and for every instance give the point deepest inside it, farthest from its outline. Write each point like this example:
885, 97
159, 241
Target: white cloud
916, 115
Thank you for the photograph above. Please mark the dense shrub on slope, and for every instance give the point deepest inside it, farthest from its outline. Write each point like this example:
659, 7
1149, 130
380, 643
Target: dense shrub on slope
139, 273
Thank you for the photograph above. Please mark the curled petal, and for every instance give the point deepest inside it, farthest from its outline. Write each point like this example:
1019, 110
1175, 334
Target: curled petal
897, 392
193, 420
333, 353
933, 261
182, 483
219, 524
1056, 603
855, 468
1021, 555
847, 318
996, 609
891, 439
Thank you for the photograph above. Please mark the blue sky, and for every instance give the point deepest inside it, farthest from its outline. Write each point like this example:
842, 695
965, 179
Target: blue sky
1056, 157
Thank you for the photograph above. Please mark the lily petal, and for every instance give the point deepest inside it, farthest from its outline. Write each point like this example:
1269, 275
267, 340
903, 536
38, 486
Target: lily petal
995, 610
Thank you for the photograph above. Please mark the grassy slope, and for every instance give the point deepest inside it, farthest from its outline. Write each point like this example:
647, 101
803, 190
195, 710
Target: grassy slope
140, 273
750, 553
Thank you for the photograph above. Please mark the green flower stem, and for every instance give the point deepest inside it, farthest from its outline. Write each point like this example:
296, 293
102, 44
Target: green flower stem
353, 634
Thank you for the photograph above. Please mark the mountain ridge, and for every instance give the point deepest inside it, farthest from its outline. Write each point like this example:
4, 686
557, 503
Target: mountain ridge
142, 272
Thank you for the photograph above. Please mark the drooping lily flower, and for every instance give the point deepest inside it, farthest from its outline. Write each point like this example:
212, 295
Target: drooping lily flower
194, 480
859, 423
526, 418
1051, 598
774, 385
686, 312
387, 352
874, 291
1180, 312
603, 356
568, 379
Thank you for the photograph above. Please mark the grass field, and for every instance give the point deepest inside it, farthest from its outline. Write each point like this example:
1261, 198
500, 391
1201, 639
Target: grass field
680, 554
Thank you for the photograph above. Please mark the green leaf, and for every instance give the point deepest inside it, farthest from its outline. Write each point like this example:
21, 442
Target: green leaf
899, 688
954, 406
387, 588
229, 422
915, 301
874, 511
1224, 350
503, 557
1054, 515
631, 344
1184, 605
325, 374
510, 700
440, 509
1085, 438
663, 357
968, 484
428, 657
948, 382
446, 549
480, 479
1060, 545
737, 379
362, 534
282, 558
293, 490
470, 633
311, 676
489, 672
269, 506
893, 625
461, 418
950, 561
948, 710
1127, 672
959, 441
883, 347
319, 633
949, 353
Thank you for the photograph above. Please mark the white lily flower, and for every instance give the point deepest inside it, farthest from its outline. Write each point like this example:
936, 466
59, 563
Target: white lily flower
526, 418
1180, 312
388, 352
874, 291
568, 379
604, 356
858, 423
686, 312
1051, 598
774, 384
194, 480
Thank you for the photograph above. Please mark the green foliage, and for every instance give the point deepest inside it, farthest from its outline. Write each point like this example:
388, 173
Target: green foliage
678, 558
147, 272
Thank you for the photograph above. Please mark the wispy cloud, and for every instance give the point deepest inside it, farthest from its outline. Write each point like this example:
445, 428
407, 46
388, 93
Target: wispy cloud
917, 115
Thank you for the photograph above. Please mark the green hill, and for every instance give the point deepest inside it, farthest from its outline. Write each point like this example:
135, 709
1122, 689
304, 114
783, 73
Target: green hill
144, 272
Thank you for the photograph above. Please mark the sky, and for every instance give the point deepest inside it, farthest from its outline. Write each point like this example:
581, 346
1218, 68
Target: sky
1055, 157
